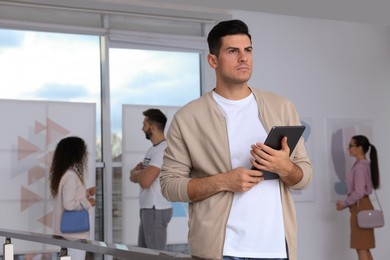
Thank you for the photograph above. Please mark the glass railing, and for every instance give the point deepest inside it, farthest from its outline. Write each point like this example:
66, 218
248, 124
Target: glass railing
119, 251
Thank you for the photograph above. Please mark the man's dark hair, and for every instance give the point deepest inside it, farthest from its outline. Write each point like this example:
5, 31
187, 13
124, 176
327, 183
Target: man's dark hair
155, 116
224, 28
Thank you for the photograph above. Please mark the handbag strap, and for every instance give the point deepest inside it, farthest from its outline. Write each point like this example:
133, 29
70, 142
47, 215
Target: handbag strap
376, 196
377, 199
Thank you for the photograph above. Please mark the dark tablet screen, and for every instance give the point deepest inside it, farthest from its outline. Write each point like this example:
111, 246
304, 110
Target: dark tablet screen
274, 139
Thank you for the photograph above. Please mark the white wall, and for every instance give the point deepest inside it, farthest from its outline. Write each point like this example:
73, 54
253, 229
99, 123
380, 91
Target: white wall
331, 70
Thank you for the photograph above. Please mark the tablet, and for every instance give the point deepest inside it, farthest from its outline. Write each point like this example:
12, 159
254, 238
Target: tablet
274, 140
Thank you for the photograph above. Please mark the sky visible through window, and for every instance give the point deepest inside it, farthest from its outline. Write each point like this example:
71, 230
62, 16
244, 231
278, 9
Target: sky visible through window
49, 66
66, 67
145, 77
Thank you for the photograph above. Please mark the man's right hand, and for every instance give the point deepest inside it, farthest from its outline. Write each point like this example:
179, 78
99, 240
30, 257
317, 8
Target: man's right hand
237, 180
242, 179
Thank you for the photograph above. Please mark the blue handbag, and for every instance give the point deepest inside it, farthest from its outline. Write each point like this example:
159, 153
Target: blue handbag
74, 221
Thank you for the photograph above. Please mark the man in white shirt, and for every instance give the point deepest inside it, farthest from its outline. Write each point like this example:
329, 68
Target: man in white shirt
155, 210
214, 141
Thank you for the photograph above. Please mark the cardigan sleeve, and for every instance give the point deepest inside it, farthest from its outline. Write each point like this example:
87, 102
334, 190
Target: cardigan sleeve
73, 193
174, 177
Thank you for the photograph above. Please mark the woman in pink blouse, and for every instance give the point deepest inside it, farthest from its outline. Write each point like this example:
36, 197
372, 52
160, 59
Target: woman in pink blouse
361, 179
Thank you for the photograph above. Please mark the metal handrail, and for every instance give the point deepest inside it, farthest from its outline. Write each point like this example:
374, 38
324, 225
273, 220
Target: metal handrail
99, 247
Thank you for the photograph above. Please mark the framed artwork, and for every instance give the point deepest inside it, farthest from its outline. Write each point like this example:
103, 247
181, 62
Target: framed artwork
339, 134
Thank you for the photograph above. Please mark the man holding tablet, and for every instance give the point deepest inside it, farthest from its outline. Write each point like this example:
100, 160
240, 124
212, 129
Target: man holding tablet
212, 144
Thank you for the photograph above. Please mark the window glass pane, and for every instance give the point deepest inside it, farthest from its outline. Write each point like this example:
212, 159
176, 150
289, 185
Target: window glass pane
51, 66
146, 77
54, 67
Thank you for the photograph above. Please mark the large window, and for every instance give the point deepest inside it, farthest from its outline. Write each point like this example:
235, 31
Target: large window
150, 77
54, 67
145, 77
67, 67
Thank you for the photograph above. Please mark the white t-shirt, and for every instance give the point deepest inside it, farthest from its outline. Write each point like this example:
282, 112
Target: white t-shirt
255, 227
152, 196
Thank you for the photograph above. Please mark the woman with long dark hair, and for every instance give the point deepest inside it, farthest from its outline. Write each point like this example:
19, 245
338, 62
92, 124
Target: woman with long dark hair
361, 180
67, 185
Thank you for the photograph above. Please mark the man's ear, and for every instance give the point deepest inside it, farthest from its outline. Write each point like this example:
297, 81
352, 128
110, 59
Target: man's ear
213, 60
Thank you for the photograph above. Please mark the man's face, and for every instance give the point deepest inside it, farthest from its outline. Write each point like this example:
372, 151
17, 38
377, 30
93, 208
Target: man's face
234, 61
147, 129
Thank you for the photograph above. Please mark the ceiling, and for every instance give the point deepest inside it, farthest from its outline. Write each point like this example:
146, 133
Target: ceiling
362, 11
375, 12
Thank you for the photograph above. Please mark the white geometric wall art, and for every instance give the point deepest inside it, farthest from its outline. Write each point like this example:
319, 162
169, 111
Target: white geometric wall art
30, 130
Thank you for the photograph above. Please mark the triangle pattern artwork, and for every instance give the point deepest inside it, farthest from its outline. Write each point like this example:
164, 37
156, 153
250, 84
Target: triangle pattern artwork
30, 137
25, 148
55, 131
36, 173
47, 220
46, 158
28, 198
39, 127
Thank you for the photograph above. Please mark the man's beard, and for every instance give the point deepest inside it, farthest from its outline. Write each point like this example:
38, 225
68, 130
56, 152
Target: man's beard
148, 134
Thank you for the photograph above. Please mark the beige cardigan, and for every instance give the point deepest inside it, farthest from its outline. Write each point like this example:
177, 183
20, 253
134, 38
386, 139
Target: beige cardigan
71, 196
198, 147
